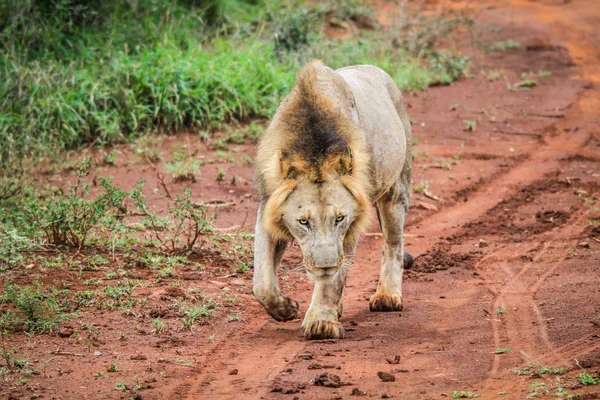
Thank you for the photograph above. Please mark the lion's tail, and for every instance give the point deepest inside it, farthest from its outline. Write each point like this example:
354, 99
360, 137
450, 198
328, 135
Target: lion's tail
409, 260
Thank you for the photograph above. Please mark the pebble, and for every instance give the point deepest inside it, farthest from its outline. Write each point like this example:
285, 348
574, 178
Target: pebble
386, 376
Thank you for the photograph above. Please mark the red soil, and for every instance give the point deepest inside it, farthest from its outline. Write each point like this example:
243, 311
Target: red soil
509, 257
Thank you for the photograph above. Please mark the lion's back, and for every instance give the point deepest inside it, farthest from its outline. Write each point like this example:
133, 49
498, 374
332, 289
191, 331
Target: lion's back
382, 116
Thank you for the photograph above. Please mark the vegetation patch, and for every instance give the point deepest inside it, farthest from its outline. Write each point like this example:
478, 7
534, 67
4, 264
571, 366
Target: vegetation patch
80, 72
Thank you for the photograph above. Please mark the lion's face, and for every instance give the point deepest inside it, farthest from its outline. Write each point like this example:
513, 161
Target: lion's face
318, 215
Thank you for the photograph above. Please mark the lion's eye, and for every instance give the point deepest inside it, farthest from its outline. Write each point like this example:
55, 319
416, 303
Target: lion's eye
339, 218
303, 221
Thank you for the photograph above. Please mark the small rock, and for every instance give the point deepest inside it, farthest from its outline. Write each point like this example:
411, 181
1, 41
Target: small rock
584, 245
483, 243
395, 360
427, 206
329, 380
385, 396
65, 331
306, 355
151, 379
358, 392
322, 366
97, 353
138, 357
285, 388
233, 371
386, 376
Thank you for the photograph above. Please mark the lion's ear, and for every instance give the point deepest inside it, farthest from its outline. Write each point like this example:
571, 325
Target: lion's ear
286, 168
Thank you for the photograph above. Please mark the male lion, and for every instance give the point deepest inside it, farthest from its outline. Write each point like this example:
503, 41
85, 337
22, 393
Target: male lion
338, 143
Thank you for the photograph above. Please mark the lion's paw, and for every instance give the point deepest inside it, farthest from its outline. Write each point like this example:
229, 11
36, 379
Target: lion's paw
322, 329
384, 302
282, 309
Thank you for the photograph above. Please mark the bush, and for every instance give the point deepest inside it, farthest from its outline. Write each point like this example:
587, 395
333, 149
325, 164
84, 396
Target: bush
66, 219
36, 311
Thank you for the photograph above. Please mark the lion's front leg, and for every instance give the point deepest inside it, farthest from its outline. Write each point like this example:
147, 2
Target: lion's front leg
267, 256
321, 319
392, 209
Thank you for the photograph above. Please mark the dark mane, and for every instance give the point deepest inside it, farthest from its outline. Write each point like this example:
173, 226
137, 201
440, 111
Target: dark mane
315, 124
316, 131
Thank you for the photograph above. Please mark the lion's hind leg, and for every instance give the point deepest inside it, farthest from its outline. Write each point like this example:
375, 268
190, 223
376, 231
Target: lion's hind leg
392, 209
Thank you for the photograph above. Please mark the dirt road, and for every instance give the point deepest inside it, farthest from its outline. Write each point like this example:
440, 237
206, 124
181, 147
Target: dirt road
504, 297
505, 230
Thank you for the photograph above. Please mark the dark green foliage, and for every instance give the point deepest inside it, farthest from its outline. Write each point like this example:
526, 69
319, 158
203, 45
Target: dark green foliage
75, 72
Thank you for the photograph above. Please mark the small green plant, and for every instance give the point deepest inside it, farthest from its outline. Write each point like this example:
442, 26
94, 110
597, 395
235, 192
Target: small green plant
503, 45
112, 368
166, 273
220, 175
183, 167
544, 74
196, 312
242, 268
586, 379
502, 351
525, 84
147, 148
464, 395
550, 371
121, 386
159, 325
502, 309
233, 318
233, 299
421, 187
109, 158
542, 370
211, 337
470, 125
525, 370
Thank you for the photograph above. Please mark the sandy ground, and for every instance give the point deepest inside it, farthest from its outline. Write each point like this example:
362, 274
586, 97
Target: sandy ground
506, 240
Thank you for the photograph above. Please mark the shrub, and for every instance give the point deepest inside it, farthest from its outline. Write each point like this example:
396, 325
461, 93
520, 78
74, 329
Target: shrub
66, 219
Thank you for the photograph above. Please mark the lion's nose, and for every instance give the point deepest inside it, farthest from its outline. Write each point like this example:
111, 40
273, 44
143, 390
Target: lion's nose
327, 266
325, 256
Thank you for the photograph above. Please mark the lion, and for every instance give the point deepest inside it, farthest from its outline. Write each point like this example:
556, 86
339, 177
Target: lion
338, 144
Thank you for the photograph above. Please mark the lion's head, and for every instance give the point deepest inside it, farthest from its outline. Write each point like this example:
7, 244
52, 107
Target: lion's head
313, 171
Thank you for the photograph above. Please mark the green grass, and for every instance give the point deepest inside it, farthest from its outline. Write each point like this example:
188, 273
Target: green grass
111, 71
